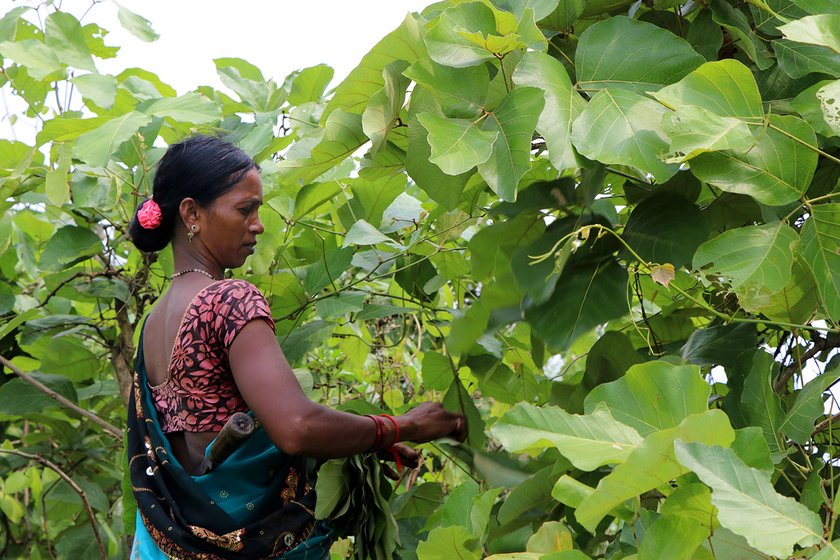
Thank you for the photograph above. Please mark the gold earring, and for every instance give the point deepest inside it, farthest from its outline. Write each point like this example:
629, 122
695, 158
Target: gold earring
192, 232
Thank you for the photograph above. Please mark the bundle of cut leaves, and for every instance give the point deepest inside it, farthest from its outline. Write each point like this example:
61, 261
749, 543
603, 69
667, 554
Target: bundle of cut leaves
353, 496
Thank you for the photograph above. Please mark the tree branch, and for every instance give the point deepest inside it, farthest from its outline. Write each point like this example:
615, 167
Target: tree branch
832, 340
110, 428
66, 478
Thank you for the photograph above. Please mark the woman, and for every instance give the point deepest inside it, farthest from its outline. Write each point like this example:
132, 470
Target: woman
208, 350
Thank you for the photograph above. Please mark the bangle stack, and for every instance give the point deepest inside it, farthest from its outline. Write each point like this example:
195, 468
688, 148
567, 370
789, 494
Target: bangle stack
382, 432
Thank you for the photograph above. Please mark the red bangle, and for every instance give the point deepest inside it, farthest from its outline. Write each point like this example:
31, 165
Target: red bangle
396, 427
379, 436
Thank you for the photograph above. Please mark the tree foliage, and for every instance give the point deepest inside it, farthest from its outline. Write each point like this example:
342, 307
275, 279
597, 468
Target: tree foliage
608, 232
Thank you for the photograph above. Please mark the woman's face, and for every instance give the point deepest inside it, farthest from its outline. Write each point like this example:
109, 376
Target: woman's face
231, 223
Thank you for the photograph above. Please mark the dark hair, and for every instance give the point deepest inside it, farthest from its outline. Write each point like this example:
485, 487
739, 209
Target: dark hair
201, 167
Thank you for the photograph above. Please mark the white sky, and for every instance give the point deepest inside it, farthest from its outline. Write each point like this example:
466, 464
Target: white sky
276, 36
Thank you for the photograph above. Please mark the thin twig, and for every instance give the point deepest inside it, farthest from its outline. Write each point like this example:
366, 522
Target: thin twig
110, 428
64, 476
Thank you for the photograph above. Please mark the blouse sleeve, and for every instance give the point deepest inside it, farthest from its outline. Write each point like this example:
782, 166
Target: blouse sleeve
240, 302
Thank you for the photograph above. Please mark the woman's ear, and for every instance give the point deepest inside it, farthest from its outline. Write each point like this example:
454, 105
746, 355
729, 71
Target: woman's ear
190, 212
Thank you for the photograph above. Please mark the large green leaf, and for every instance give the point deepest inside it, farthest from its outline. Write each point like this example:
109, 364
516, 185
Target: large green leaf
342, 136
777, 171
39, 59
620, 52
64, 35
694, 130
747, 503
795, 303
308, 85
822, 29
622, 127
383, 110
445, 543
739, 27
588, 441
653, 396
720, 344
652, 464
69, 245
404, 43
798, 423
761, 404
584, 298
191, 108
135, 24
751, 257
96, 146
562, 105
672, 536
21, 398
829, 106
820, 245
457, 145
666, 228
100, 89
448, 39
460, 92
800, 59
514, 122
726, 88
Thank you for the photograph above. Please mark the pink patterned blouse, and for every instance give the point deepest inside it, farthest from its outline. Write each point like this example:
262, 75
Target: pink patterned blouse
199, 394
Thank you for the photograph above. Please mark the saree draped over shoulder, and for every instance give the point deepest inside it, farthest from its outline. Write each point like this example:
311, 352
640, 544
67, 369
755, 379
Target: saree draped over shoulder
259, 503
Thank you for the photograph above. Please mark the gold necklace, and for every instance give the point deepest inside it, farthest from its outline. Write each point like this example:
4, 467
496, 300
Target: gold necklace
204, 272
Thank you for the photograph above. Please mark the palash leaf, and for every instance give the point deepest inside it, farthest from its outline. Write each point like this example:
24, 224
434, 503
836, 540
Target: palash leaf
445, 543
135, 24
829, 96
801, 59
651, 464
694, 130
562, 104
654, 58
445, 38
776, 171
761, 404
459, 91
96, 146
821, 29
191, 107
820, 242
747, 503
672, 536
738, 25
99, 88
383, 109
514, 122
64, 35
798, 423
795, 303
665, 228
751, 256
622, 127
457, 145
652, 396
39, 59
588, 441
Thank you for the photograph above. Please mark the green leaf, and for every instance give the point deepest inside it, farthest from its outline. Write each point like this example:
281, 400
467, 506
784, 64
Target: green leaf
721, 344
514, 121
341, 305
17, 397
751, 256
445, 39
331, 488
39, 59
738, 26
694, 130
56, 186
404, 43
747, 503
829, 96
69, 245
655, 57
585, 297
777, 171
327, 270
795, 303
457, 399
693, 501
66, 38
445, 543
665, 228
191, 108
822, 29
437, 371
672, 536
798, 423
96, 146
460, 92
137, 25
308, 85
820, 243
652, 396
562, 106
342, 136
587, 441
552, 536
62, 129
622, 127
383, 110
801, 59
761, 404
532, 494
726, 88
457, 145
314, 196
362, 233
100, 89
652, 464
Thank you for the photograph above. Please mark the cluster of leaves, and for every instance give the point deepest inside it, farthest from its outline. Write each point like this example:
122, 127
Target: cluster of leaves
605, 231
353, 495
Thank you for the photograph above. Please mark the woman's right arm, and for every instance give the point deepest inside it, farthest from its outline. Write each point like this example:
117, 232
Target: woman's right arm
301, 427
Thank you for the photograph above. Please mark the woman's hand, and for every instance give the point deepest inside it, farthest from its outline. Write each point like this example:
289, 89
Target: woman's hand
430, 421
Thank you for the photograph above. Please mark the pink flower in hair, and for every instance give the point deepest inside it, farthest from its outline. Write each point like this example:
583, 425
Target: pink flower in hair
149, 215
